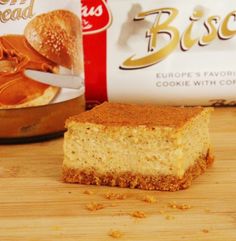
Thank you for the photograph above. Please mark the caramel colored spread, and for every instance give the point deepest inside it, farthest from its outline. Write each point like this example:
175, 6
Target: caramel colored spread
16, 55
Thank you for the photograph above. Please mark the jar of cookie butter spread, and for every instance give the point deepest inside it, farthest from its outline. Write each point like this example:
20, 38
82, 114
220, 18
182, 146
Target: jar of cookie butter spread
41, 67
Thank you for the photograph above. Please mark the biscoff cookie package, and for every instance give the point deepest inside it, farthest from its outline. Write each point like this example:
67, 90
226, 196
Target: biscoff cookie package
168, 52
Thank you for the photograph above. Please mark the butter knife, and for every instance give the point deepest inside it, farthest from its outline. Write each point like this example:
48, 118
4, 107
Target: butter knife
62, 81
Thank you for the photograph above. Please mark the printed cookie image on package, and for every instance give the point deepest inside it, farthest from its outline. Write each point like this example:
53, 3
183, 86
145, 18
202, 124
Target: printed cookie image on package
41, 64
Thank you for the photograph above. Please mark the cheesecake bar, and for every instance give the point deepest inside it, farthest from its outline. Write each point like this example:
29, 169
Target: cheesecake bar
138, 146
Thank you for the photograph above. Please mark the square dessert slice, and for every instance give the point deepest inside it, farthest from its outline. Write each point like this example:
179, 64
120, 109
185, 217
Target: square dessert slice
137, 146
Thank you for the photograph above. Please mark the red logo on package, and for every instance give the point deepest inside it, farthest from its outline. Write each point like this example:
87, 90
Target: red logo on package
96, 16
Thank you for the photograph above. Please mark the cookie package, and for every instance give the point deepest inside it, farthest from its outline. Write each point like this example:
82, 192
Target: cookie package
165, 52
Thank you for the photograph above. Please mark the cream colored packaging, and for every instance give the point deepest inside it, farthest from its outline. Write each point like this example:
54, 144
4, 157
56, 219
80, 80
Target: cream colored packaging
169, 52
41, 66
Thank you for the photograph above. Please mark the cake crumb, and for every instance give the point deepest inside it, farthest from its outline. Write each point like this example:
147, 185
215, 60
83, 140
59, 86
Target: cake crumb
88, 192
115, 196
149, 199
138, 214
116, 234
94, 206
205, 230
174, 205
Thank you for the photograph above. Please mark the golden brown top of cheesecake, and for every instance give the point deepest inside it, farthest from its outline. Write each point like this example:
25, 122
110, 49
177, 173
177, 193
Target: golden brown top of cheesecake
114, 114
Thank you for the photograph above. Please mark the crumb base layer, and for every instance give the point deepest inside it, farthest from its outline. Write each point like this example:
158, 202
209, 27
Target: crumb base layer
138, 180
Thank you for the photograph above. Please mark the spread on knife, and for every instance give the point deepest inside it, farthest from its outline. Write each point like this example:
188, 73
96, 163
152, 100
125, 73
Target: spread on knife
16, 55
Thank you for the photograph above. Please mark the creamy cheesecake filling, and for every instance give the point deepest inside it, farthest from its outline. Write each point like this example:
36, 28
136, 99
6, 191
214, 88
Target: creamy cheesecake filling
149, 151
195, 141
117, 150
